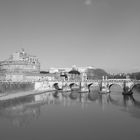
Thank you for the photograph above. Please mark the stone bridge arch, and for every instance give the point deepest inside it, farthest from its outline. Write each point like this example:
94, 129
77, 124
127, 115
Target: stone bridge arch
93, 86
117, 84
125, 85
73, 84
133, 86
96, 85
56, 86
89, 85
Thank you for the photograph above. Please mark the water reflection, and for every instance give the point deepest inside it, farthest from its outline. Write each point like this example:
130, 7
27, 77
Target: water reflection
74, 95
20, 111
130, 103
125, 100
23, 110
134, 106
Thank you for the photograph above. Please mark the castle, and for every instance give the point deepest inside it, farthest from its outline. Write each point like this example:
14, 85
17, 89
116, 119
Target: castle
20, 66
20, 62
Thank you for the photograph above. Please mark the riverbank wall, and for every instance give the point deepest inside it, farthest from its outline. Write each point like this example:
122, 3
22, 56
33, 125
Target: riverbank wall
14, 87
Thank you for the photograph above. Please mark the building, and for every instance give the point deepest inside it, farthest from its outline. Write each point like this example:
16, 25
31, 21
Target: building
20, 62
20, 66
72, 73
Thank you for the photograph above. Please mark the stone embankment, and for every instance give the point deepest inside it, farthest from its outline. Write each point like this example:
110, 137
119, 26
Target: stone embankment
14, 87
16, 90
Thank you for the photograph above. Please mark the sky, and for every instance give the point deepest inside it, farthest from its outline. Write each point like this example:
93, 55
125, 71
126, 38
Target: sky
100, 33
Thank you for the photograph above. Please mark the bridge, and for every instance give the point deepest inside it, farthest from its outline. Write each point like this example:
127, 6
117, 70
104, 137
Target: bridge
103, 86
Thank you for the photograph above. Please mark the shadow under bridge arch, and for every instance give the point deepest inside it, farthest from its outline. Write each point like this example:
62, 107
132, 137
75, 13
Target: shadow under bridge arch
93, 86
116, 87
135, 88
57, 86
74, 86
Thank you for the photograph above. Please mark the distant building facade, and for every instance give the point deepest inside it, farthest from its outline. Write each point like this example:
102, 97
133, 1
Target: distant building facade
20, 66
72, 76
66, 70
20, 62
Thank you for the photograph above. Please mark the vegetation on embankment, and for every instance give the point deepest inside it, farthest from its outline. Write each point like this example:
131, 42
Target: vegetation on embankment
135, 75
96, 73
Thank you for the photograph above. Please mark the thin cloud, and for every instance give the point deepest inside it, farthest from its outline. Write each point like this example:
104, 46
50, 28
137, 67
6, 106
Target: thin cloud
88, 2
97, 3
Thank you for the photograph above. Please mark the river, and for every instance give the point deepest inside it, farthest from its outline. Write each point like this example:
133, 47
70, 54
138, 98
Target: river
71, 116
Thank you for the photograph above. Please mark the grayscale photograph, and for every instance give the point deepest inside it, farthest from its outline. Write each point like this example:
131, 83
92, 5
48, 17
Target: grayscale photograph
69, 69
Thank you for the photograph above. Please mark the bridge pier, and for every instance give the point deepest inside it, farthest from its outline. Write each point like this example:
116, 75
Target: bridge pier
127, 92
104, 87
126, 89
